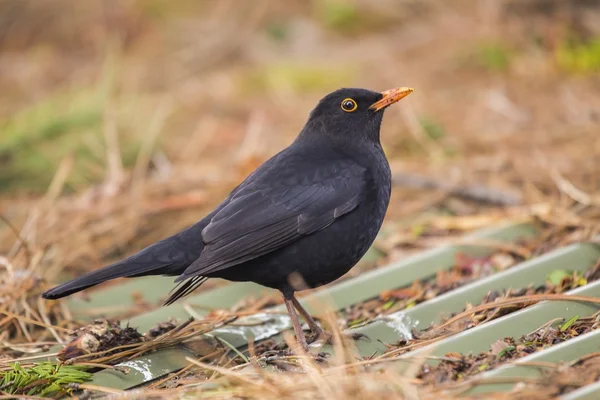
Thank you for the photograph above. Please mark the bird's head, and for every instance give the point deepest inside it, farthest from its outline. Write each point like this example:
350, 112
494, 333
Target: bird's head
351, 114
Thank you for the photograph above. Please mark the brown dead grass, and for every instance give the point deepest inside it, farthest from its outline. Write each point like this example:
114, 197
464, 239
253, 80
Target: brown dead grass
525, 136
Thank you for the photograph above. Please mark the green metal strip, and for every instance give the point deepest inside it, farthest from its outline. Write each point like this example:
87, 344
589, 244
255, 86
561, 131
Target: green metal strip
223, 297
563, 352
589, 392
146, 368
113, 300
516, 324
390, 328
418, 267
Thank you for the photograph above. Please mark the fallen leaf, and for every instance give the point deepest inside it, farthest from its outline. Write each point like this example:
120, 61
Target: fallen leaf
403, 293
453, 355
568, 324
505, 350
555, 277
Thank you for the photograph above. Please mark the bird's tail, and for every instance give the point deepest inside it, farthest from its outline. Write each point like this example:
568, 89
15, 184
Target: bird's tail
113, 271
170, 256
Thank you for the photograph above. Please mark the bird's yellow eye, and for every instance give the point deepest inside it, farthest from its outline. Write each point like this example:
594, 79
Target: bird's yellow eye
349, 105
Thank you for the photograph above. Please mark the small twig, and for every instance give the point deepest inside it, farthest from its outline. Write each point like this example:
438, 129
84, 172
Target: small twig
170, 376
541, 364
31, 321
96, 388
518, 300
19, 396
520, 251
584, 358
44, 316
404, 349
23, 242
474, 192
236, 375
188, 309
545, 325
118, 368
36, 357
464, 386
572, 191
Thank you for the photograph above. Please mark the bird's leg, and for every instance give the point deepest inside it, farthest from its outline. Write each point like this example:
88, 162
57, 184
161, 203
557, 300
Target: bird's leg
318, 332
289, 303
314, 327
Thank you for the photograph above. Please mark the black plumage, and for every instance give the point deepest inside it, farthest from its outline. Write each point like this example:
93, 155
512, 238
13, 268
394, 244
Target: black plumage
313, 209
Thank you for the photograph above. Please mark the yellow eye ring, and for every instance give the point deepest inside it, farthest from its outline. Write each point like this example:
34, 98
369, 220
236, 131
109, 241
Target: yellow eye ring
349, 105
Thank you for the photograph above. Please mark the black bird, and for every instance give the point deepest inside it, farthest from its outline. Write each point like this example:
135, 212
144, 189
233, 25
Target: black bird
312, 210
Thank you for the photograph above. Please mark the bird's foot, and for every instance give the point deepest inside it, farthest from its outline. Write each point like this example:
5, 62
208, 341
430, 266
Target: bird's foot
350, 337
327, 337
318, 336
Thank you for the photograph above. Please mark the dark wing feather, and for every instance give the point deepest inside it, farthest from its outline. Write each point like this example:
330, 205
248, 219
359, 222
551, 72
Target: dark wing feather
264, 216
184, 288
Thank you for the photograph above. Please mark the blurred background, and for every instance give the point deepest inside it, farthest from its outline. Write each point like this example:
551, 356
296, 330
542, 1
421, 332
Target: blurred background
123, 121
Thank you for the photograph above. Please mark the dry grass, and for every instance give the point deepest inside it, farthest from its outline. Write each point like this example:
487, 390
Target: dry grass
499, 129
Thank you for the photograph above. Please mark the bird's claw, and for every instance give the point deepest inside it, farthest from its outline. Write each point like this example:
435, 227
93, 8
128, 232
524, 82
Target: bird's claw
327, 337
318, 336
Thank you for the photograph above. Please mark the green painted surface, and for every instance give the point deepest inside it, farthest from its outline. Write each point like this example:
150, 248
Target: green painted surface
516, 324
219, 298
389, 329
563, 352
115, 299
404, 273
144, 369
589, 392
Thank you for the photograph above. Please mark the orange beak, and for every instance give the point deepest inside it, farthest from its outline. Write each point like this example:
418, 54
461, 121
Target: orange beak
390, 97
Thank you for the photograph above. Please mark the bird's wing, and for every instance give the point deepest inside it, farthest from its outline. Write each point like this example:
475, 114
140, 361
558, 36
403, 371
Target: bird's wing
275, 209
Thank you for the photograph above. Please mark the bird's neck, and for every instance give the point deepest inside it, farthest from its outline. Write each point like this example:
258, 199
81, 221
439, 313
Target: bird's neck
318, 134
363, 150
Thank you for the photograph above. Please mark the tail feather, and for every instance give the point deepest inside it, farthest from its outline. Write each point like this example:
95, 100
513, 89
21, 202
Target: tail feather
117, 270
170, 256
184, 288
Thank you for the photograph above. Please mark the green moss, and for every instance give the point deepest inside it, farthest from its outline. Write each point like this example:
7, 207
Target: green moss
341, 15
164, 10
555, 277
43, 379
433, 129
67, 122
38, 138
301, 78
579, 57
494, 56
277, 30
50, 118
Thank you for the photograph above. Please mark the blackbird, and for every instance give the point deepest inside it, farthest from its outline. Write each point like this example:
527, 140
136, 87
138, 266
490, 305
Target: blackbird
311, 211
